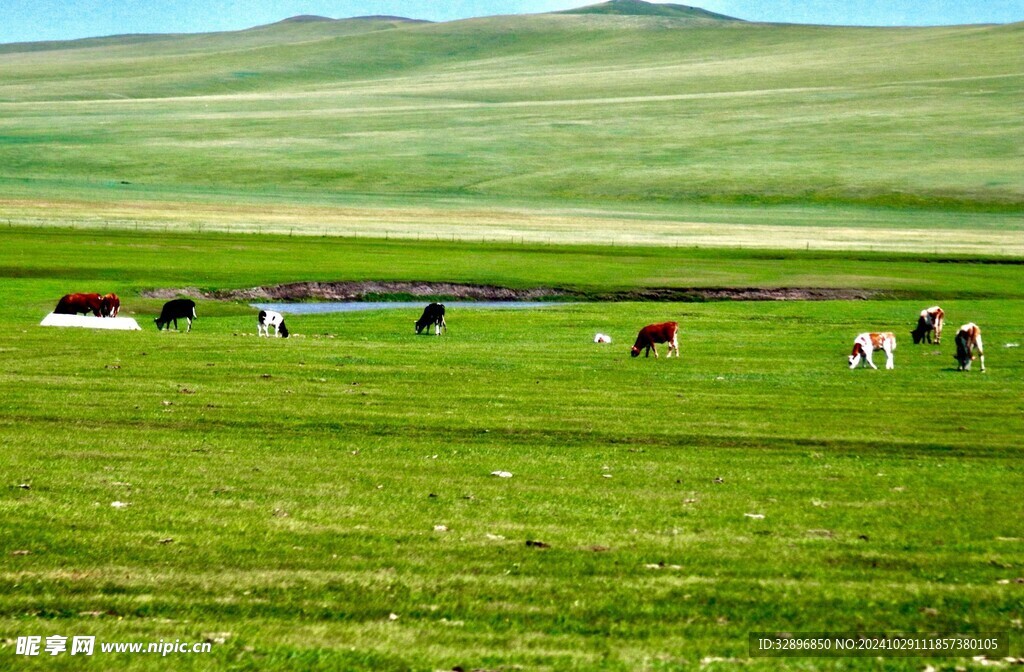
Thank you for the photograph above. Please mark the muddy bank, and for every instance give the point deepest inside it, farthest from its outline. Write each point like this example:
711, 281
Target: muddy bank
396, 291
366, 291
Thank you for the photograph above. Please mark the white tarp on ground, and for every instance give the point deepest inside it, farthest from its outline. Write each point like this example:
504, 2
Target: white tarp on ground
90, 322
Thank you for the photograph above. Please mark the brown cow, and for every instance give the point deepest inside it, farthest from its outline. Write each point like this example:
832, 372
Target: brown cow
73, 304
111, 305
664, 332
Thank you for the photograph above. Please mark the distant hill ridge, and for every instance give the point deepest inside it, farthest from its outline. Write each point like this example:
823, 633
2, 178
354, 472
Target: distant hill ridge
612, 7
313, 18
306, 18
641, 8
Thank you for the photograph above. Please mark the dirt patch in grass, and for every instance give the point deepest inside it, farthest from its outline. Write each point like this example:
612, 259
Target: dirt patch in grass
399, 291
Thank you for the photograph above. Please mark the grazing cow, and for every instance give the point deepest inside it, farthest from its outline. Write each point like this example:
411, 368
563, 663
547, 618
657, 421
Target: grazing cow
110, 305
665, 332
73, 304
433, 314
930, 320
172, 310
867, 343
268, 319
968, 339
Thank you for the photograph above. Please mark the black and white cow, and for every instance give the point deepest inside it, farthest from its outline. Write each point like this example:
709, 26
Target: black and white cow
433, 314
268, 319
173, 310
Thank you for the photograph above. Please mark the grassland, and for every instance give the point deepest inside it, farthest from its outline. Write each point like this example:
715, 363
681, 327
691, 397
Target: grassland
135, 262
326, 501
284, 494
568, 128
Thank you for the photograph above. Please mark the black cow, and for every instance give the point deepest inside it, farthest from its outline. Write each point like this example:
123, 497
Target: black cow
172, 310
433, 314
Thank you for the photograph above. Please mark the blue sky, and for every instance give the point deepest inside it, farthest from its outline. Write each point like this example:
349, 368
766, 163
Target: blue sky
35, 20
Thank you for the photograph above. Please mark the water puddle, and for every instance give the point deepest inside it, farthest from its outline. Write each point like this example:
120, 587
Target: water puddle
323, 307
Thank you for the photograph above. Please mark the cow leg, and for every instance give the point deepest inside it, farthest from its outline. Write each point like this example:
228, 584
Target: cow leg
867, 358
655, 348
175, 324
888, 359
189, 324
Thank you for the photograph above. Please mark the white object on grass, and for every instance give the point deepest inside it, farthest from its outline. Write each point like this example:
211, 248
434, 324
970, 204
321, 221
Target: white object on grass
91, 322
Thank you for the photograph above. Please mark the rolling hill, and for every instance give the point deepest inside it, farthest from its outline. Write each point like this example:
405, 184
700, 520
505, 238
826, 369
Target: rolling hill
660, 108
641, 8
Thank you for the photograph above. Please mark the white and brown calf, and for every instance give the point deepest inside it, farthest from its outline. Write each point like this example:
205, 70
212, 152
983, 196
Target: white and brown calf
968, 339
867, 343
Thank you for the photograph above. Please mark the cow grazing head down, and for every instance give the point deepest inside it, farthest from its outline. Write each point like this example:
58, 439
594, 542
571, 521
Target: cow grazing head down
270, 318
929, 323
867, 343
433, 315
664, 332
968, 341
174, 310
110, 305
73, 304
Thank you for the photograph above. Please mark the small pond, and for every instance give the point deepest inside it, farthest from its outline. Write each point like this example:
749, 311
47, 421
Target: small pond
355, 306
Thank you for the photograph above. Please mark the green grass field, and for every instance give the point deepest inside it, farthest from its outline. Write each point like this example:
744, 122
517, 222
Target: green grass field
284, 494
327, 501
561, 128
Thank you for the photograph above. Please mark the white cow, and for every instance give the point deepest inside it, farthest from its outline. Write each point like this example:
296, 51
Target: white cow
867, 343
268, 319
